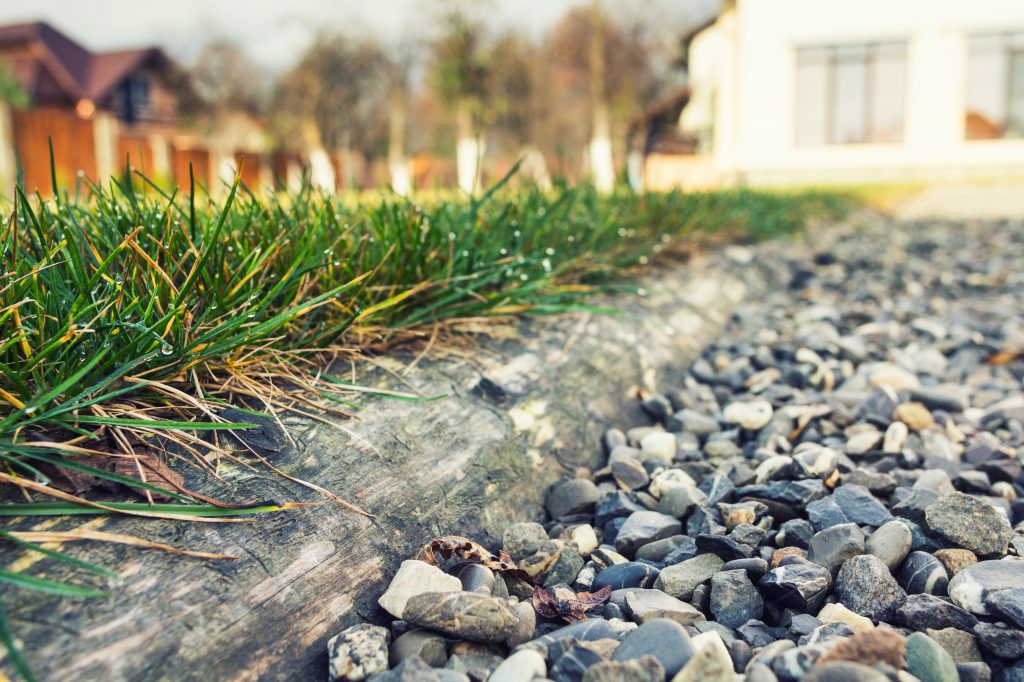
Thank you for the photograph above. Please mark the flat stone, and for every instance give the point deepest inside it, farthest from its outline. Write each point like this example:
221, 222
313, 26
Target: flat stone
662, 638
800, 585
575, 496
832, 546
642, 527
564, 569
914, 505
891, 543
465, 615
922, 573
585, 630
630, 474
522, 666
643, 605
844, 671
659, 549
680, 500
915, 415
795, 533
726, 547
413, 578
929, 662
424, 644
416, 670
679, 580
734, 599
578, 657
629, 574
955, 560
923, 611
972, 587
961, 646
643, 669
967, 522
1008, 605
1002, 641
357, 652
865, 586
585, 538
710, 662
522, 539
752, 415
837, 613
860, 506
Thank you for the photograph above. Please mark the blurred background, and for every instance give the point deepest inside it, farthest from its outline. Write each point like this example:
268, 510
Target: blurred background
411, 94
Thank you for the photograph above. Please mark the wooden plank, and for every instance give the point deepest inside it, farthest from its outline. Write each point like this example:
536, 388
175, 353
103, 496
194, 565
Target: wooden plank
468, 463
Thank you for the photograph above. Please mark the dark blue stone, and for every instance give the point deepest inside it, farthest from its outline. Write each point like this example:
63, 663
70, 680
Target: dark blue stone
825, 513
921, 573
629, 574
860, 506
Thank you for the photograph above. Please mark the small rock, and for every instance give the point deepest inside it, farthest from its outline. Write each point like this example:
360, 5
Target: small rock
895, 436
564, 569
1004, 642
465, 615
643, 669
358, 652
680, 500
642, 527
710, 662
575, 496
658, 445
832, 546
890, 543
860, 506
972, 587
659, 549
923, 611
644, 605
681, 579
877, 645
967, 522
522, 539
664, 639
734, 599
751, 415
522, 666
960, 645
1008, 605
477, 578
666, 479
416, 670
413, 578
572, 665
844, 671
955, 560
914, 415
585, 539
427, 645
929, 662
837, 613
629, 574
865, 586
477, 666
922, 573
630, 474
800, 585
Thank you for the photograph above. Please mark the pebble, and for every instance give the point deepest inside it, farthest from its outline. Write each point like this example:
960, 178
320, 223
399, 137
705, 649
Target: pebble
416, 670
734, 599
629, 574
891, 543
845, 671
643, 605
643, 527
800, 585
424, 644
658, 445
752, 415
680, 580
629, 474
1007, 604
860, 506
915, 415
922, 573
961, 646
710, 662
833, 546
866, 587
955, 560
929, 662
357, 652
413, 578
662, 638
643, 669
465, 615
837, 613
969, 523
974, 585
522, 666
923, 611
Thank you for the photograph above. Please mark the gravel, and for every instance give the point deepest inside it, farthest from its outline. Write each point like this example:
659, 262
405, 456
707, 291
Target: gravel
831, 492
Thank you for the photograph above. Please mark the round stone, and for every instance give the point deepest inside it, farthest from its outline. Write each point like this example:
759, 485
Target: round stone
575, 496
914, 415
413, 578
642, 527
664, 639
680, 580
751, 415
928, 661
922, 573
970, 588
890, 543
358, 652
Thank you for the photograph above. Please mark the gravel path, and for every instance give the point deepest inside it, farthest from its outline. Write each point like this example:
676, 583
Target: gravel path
831, 494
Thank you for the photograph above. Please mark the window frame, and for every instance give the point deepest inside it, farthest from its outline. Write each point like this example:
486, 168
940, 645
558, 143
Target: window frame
1011, 43
831, 57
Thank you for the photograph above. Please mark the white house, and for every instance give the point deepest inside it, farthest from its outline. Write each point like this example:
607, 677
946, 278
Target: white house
823, 91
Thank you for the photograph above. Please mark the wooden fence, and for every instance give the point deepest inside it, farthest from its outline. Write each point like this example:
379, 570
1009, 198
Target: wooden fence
73, 147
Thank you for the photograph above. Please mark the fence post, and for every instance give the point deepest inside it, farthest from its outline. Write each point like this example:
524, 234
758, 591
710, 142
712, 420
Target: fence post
8, 166
104, 135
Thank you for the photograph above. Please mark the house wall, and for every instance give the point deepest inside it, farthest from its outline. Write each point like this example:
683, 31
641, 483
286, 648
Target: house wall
756, 94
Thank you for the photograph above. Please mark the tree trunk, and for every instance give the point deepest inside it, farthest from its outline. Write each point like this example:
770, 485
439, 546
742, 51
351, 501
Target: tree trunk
602, 166
468, 150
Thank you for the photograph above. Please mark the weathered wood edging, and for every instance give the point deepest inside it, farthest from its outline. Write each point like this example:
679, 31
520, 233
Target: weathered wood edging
445, 466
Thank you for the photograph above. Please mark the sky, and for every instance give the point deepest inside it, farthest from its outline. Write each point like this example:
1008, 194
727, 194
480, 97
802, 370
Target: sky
274, 32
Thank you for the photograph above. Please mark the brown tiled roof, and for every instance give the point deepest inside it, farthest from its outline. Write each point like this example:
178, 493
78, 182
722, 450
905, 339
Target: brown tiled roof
80, 73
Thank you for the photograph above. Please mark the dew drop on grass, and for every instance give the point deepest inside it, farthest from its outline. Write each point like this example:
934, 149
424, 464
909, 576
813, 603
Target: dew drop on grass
118, 280
641, 292
517, 234
30, 409
643, 260
549, 251
504, 252
251, 314
166, 349
524, 277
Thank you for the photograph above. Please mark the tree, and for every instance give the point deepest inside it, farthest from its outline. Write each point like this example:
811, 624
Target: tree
458, 73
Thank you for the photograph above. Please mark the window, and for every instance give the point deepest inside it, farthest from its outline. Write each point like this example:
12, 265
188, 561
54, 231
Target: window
850, 94
133, 98
995, 87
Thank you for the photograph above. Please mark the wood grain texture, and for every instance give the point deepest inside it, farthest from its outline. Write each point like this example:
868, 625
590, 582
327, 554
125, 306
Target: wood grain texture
468, 463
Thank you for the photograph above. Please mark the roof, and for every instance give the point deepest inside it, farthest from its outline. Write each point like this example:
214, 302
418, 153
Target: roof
81, 74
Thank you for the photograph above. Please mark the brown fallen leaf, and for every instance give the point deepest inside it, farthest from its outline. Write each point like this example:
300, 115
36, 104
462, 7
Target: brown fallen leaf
1005, 356
570, 607
155, 470
444, 548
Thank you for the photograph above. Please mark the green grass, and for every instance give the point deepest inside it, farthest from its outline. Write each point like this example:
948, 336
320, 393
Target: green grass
137, 317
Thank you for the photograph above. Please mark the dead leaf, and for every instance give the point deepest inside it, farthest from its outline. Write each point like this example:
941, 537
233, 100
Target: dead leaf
154, 469
1005, 356
571, 609
444, 548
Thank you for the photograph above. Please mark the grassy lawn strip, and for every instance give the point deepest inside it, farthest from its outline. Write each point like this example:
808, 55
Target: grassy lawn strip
131, 319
